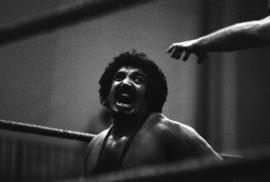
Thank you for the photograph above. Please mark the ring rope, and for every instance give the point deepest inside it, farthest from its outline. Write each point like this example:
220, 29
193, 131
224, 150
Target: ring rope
45, 131
205, 169
68, 15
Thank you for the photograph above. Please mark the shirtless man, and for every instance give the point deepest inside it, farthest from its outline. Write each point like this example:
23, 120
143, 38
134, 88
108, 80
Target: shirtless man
134, 90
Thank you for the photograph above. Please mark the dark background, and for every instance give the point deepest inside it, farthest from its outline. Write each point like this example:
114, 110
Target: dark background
52, 80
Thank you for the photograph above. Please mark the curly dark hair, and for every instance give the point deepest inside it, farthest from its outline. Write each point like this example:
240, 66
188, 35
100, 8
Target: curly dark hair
156, 90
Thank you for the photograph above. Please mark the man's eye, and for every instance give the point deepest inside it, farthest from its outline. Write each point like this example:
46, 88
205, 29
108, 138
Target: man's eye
118, 77
138, 79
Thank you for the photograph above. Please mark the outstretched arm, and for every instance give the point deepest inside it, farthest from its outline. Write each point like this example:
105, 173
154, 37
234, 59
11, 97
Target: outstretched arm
244, 35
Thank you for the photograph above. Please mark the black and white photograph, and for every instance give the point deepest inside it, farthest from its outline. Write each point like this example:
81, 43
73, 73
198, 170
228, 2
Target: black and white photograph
135, 90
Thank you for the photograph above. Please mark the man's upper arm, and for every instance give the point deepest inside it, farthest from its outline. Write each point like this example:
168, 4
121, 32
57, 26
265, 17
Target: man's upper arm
201, 147
183, 142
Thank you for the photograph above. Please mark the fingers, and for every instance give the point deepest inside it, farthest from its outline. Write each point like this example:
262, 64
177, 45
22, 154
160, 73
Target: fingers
186, 56
169, 50
176, 53
177, 50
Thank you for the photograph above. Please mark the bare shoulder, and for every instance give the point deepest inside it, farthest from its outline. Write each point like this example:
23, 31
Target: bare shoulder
182, 138
167, 126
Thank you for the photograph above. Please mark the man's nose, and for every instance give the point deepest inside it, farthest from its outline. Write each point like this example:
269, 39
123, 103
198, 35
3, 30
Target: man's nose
126, 82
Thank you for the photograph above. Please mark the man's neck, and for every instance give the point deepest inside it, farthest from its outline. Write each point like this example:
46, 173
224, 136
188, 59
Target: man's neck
125, 124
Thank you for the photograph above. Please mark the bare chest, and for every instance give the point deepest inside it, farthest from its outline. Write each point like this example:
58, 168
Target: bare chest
112, 154
115, 146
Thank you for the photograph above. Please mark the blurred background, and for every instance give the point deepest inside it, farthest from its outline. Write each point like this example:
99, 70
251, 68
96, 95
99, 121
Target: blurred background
52, 80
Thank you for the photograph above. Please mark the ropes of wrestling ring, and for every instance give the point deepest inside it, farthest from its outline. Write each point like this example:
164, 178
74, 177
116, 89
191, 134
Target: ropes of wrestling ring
196, 170
63, 17
60, 18
45, 131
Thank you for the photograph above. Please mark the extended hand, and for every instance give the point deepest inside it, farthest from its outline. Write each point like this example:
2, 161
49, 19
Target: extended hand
186, 48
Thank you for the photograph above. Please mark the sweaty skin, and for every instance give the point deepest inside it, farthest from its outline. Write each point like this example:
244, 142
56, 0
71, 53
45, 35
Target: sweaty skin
159, 140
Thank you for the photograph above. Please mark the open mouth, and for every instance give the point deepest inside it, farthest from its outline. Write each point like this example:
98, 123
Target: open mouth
124, 97
124, 100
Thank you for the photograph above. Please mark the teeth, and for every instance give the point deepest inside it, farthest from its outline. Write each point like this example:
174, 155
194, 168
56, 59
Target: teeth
124, 99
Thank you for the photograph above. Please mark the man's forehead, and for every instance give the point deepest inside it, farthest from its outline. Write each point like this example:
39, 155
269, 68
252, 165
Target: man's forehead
132, 69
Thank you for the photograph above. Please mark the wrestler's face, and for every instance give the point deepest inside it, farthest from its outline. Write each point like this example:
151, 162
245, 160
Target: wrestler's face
127, 94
